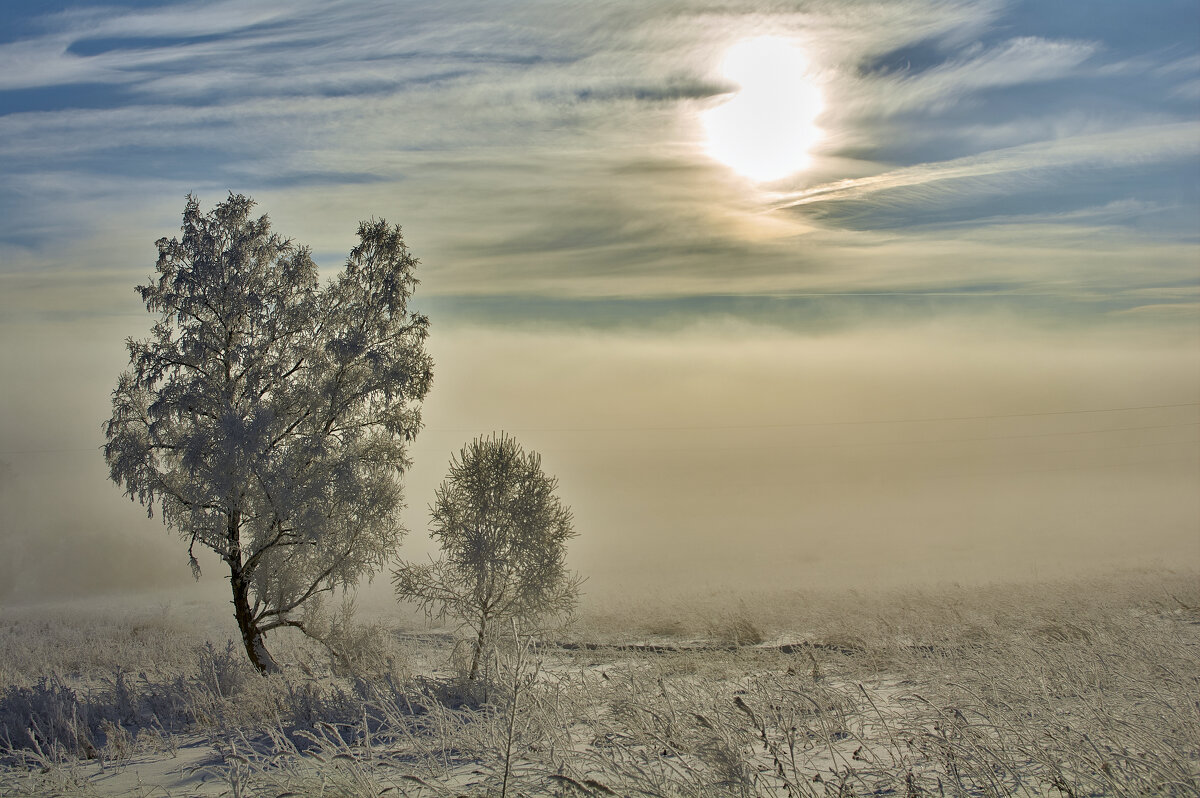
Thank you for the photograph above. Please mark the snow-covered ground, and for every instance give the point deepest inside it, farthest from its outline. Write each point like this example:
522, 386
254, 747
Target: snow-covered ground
1074, 688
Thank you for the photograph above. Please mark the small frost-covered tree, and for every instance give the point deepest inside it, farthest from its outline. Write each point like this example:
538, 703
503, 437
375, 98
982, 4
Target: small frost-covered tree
503, 535
268, 416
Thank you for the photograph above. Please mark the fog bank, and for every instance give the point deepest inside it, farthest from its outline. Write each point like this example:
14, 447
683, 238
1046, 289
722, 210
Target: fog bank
720, 453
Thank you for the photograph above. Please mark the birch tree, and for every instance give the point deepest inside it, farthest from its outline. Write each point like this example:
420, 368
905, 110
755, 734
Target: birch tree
503, 534
267, 417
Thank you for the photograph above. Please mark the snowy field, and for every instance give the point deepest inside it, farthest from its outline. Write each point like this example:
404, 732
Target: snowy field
1072, 688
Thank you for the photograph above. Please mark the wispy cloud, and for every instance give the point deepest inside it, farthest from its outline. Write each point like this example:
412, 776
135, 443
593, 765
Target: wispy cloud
1000, 218
534, 149
1018, 61
48, 60
1127, 147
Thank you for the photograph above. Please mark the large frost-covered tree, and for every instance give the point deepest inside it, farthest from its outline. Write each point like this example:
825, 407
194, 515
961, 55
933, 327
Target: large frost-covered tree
268, 415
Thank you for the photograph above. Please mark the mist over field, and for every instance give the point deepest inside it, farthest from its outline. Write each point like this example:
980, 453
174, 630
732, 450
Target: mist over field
717, 453
840, 292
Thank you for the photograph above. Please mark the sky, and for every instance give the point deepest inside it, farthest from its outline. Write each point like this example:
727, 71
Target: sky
786, 293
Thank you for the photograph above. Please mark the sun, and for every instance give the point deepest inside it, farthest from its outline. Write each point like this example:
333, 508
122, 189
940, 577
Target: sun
765, 132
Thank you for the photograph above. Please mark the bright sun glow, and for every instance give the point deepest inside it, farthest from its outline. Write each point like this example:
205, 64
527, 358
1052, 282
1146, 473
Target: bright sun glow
766, 130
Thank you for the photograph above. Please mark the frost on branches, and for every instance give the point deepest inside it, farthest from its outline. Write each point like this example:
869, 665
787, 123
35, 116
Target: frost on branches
268, 416
503, 534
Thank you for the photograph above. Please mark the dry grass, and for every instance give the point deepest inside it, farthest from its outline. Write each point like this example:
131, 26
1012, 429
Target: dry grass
1081, 689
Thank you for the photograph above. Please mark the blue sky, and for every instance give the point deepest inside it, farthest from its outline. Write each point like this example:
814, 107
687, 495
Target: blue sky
551, 149
1016, 173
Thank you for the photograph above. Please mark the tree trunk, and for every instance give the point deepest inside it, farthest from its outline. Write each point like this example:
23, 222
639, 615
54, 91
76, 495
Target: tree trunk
479, 642
252, 638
